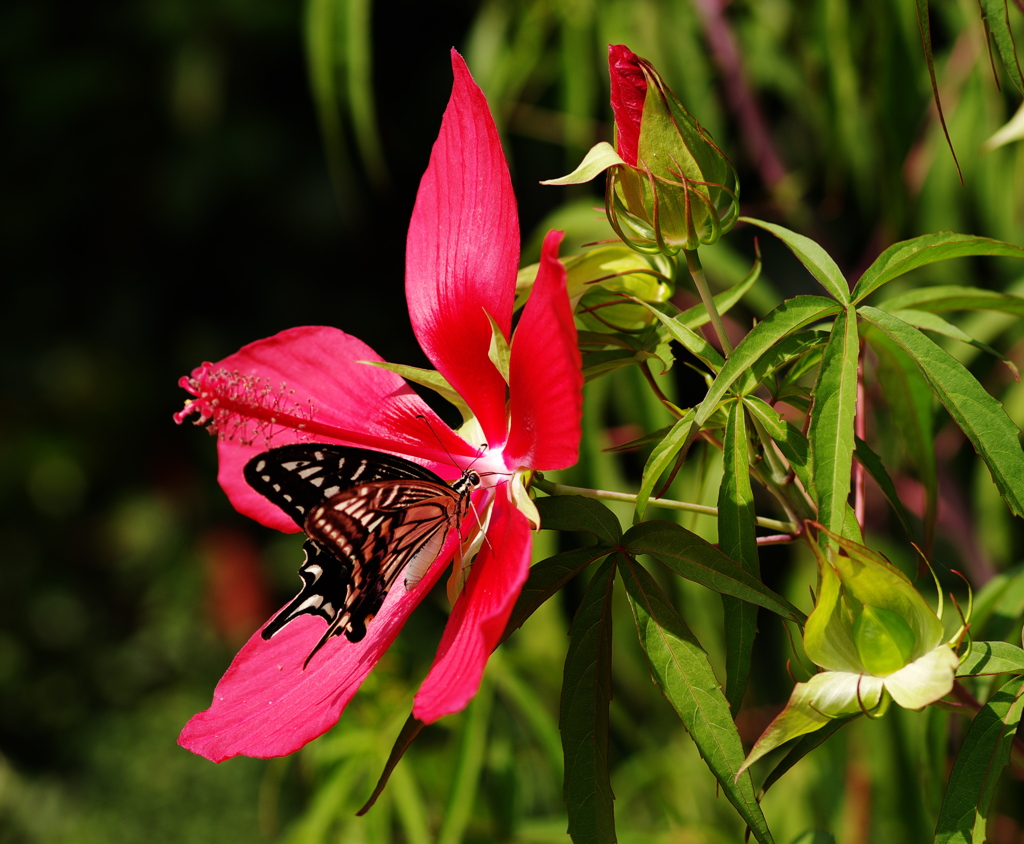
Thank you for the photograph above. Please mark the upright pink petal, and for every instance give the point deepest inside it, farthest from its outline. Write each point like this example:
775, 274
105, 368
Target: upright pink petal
545, 374
267, 704
478, 618
629, 90
462, 252
307, 384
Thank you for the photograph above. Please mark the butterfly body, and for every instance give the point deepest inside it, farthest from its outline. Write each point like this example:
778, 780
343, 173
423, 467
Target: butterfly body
369, 517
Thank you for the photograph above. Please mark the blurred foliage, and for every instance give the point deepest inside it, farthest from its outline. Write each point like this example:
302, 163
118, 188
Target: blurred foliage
168, 198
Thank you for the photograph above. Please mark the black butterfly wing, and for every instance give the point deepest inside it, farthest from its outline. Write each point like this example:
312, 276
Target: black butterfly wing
362, 533
298, 477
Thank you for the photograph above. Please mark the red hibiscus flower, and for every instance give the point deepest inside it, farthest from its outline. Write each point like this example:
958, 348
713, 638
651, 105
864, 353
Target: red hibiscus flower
314, 384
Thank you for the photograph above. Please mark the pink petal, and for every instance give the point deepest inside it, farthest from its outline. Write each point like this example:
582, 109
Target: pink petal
266, 704
462, 252
307, 384
545, 374
629, 90
478, 618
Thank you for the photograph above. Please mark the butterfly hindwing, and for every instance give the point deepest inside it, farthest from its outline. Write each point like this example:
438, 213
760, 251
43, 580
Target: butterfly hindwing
368, 517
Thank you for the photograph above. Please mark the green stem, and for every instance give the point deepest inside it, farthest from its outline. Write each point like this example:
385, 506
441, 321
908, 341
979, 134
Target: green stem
606, 495
701, 283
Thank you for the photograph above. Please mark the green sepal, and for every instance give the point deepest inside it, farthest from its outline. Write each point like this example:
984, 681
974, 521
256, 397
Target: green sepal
600, 158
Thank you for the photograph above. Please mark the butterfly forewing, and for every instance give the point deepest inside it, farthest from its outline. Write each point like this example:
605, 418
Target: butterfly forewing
299, 477
368, 517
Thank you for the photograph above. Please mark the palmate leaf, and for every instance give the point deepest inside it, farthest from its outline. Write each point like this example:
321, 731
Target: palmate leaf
907, 255
831, 428
680, 667
984, 753
736, 539
583, 714
979, 415
696, 559
790, 316
787, 318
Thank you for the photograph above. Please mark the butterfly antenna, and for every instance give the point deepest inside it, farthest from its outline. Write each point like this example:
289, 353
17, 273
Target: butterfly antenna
440, 442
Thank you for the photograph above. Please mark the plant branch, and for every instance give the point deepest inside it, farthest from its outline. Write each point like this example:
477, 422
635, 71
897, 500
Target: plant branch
553, 488
700, 281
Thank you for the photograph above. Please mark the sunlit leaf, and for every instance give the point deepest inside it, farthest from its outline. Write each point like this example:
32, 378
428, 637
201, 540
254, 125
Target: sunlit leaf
818, 262
831, 429
907, 255
736, 539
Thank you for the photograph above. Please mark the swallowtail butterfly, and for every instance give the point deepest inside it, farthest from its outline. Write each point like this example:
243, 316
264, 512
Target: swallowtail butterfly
368, 517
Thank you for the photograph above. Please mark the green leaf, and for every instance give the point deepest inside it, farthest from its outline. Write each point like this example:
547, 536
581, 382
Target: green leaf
785, 351
789, 316
984, 753
410, 732
736, 539
546, 578
583, 715
992, 658
925, 28
499, 352
980, 417
997, 22
818, 262
831, 426
953, 297
803, 746
680, 667
577, 513
601, 363
662, 456
936, 324
427, 378
696, 559
600, 157
789, 438
689, 339
902, 257
999, 606
872, 464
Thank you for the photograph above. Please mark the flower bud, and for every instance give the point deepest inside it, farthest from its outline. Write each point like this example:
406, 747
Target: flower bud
598, 280
884, 641
669, 185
